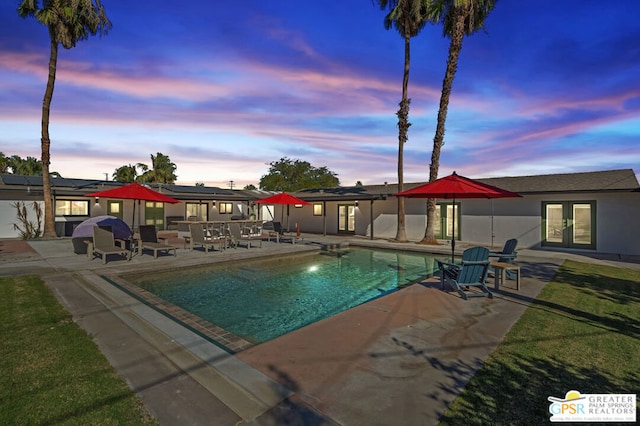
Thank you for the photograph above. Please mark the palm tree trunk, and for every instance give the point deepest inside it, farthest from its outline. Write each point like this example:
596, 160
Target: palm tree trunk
457, 35
49, 217
403, 130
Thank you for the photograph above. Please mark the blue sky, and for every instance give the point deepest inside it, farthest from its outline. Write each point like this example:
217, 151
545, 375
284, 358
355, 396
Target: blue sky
225, 88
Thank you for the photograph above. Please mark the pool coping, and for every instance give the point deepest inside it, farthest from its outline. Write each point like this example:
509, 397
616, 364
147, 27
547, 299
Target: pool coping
245, 390
214, 333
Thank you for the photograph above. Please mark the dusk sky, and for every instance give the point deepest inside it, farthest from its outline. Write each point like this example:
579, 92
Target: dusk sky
225, 88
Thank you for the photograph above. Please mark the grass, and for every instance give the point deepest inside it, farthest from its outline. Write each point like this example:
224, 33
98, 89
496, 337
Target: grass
582, 333
52, 371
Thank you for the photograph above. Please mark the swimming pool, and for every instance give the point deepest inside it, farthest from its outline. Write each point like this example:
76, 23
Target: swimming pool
259, 300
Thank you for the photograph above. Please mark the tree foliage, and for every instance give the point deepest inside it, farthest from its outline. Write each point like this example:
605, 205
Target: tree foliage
162, 170
293, 175
125, 174
4, 163
28, 166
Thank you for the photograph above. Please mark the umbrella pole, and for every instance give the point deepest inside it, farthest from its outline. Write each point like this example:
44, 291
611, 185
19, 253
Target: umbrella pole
492, 234
453, 235
133, 219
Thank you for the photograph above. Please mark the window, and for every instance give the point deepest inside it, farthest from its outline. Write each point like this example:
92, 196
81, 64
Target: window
225, 208
72, 208
317, 209
114, 208
197, 211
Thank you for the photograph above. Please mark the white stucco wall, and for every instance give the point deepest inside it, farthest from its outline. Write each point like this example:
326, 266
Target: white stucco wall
485, 222
492, 222
9, 216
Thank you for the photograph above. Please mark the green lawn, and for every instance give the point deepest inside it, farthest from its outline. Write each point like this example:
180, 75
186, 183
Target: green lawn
582, 333
52, 372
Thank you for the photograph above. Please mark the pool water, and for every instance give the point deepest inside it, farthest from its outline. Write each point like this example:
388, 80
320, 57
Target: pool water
259, 300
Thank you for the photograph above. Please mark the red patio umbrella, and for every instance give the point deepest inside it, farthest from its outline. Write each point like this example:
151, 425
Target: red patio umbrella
456, 186
283, 198
134, 191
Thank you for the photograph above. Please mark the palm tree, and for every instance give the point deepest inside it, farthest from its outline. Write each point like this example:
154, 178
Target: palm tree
408, 17
125, 174
459, 19
162, 170
29, 166
68, 21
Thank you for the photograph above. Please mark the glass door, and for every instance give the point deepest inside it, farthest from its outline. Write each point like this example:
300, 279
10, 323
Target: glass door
346, 218
154, 214
569, 224
197, 211
451, 219
444, 221
555, 225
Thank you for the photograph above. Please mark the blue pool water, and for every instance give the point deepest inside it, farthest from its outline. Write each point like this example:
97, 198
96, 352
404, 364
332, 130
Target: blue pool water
263, 299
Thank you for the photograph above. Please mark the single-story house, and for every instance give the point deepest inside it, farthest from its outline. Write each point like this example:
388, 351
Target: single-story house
594, 211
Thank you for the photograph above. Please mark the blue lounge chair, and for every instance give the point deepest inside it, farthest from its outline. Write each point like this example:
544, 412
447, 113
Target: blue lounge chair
507, 255
471, 272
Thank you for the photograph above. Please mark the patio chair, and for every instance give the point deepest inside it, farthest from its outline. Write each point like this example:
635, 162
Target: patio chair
472, 271
197, 237
104, 244
507, 255
149, 241
256, 228
281, 235
238, 237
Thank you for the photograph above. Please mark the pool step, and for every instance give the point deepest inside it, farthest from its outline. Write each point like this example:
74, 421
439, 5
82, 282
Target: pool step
337, 250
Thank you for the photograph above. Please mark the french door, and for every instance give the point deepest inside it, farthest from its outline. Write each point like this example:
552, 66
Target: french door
154, 214
444, 221
569, 224
346, 218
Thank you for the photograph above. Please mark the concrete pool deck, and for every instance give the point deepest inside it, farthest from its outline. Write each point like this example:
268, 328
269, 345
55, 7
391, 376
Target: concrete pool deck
400, 359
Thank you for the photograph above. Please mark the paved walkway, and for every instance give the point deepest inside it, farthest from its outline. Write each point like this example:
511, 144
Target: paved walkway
400, 359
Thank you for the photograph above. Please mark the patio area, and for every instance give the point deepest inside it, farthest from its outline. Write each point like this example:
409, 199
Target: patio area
401, 357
